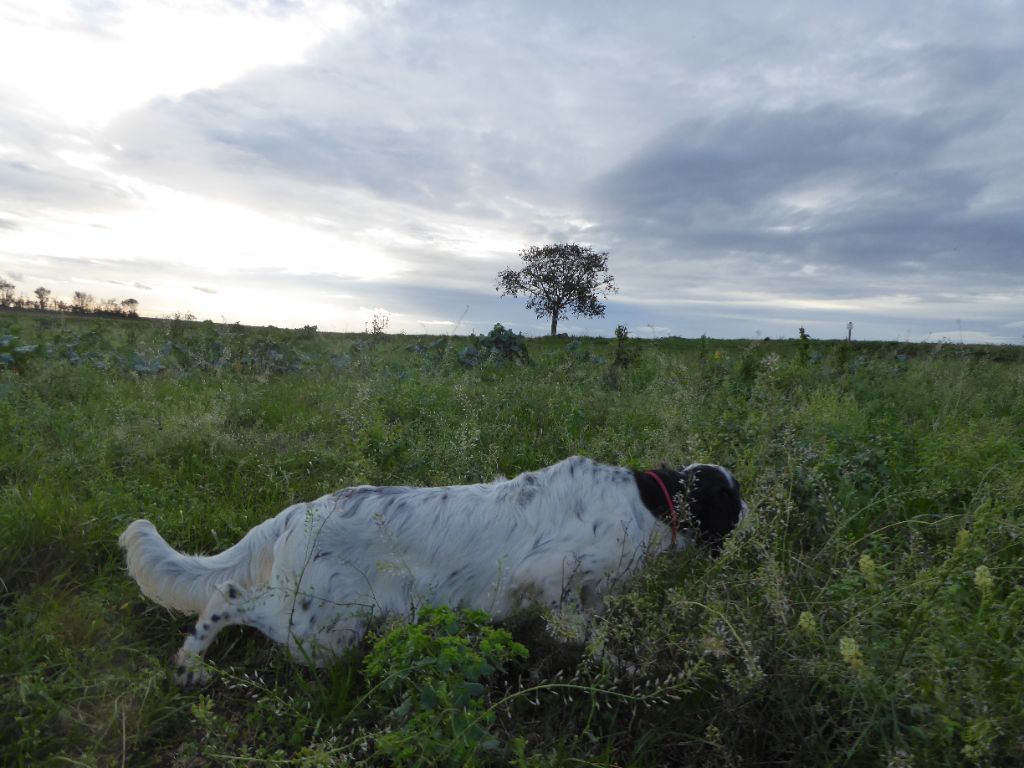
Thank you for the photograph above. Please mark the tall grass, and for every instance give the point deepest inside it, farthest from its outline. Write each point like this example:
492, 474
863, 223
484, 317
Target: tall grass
869, 612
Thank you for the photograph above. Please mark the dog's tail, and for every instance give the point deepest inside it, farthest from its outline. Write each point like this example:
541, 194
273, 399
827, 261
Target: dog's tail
187, 582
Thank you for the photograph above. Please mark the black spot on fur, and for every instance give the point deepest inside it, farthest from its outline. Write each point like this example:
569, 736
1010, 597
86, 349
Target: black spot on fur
215, 618
306, 603
206, 626
232, 593
321, 553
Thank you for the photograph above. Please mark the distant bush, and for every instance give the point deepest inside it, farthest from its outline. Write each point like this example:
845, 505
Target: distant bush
378, 326
500, 345
178, 324
624, 356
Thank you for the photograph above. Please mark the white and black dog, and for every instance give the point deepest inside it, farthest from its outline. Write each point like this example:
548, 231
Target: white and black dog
315, 575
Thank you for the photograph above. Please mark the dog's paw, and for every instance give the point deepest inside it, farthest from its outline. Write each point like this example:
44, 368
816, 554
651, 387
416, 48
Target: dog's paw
189, 670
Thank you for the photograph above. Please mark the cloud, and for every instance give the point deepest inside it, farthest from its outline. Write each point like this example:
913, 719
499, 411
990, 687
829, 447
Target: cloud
47, 169
831, 203
138, 46
830, 185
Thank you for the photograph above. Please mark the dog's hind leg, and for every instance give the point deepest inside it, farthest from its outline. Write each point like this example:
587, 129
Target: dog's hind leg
313, 632
230, 605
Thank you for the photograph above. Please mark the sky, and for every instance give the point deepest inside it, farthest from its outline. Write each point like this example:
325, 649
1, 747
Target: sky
749, 167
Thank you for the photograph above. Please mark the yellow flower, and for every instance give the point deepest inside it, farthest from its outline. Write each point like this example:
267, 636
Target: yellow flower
983, 578
867, 567
851, 654
807, 623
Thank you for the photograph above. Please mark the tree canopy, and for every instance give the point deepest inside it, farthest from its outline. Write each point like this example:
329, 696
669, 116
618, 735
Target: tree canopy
561, 279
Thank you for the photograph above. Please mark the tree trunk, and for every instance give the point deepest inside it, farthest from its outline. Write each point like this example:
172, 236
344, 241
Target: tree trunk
554, 323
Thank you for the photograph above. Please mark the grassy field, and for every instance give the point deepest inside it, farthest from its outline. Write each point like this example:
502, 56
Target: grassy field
869, 612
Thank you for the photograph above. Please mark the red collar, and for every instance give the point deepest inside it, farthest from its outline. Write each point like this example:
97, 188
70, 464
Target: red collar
671, 505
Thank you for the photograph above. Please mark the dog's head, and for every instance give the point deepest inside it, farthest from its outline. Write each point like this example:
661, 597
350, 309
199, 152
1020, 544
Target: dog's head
712, 500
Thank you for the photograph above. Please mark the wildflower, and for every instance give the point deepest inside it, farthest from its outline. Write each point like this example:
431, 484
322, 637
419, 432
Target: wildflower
983, 579
715, 642
851, 654
770, 363
807, 623
867, 567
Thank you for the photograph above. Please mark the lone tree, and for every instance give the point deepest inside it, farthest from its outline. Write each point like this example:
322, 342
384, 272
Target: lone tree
561, 280
43, 295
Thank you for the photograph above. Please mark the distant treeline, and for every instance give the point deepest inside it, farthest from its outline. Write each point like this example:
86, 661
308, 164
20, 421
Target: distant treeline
81, 303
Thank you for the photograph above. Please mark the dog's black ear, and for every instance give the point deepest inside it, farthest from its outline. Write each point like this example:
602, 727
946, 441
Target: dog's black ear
712, 501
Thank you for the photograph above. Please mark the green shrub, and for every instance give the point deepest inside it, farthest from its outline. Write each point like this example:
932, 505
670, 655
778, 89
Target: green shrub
429, 679
500, 345
624, 357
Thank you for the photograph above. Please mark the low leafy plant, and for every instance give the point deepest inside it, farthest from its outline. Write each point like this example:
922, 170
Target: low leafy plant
500, 345
14, 355
429, 678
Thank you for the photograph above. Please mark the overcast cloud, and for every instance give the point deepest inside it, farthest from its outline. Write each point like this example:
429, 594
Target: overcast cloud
750, 167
